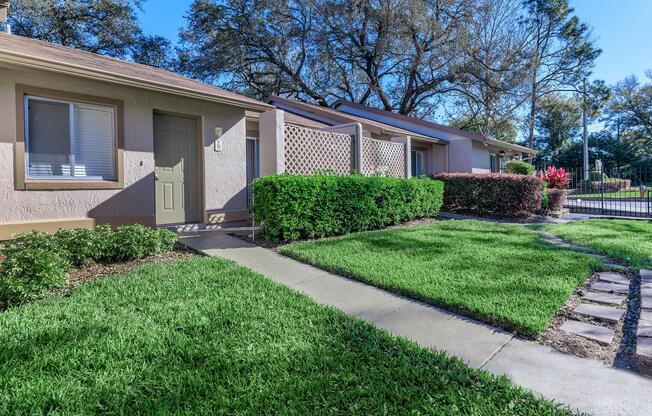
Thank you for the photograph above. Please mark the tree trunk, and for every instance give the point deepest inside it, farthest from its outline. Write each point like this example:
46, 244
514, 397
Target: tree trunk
533, 107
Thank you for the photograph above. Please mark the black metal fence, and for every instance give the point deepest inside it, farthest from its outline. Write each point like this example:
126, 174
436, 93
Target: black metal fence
616, 192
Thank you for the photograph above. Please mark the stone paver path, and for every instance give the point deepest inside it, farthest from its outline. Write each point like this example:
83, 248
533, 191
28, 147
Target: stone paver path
585, 385
596, 333
610, 287
607, 298
612, 277
604, 313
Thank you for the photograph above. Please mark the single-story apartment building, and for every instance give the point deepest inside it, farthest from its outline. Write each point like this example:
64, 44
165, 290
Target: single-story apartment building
434, 147
87, 139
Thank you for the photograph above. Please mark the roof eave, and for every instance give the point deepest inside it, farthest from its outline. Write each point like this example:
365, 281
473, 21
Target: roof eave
77, 70
511, 146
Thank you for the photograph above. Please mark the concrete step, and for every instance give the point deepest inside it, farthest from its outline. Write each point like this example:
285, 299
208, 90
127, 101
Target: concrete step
604, 313
589, 331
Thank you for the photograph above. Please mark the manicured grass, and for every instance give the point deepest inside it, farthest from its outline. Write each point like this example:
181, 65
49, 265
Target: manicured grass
204, 336
627, 240
497, 273
610, 195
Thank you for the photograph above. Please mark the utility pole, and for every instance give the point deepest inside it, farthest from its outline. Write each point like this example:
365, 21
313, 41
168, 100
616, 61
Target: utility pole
585, 135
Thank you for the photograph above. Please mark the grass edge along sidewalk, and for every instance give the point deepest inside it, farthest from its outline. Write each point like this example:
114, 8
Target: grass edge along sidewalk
625, 240
504, 275
207, 336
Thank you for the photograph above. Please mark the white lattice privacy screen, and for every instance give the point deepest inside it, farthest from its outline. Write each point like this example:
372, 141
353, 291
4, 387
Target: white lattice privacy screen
380, 156
308, 151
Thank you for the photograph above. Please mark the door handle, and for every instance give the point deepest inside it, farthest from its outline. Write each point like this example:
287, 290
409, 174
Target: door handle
156, 178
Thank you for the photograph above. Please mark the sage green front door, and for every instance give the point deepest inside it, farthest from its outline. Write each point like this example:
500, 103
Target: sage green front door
176, 169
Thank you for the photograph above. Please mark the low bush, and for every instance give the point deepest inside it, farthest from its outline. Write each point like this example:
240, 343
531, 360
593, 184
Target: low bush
36, 263
517, 167
494, 194
545, 199
27, 274
609, 185
295, 207
137, 242
81, 245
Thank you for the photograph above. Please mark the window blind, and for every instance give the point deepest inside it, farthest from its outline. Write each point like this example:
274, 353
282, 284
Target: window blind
70, 140
93, 141
49, 138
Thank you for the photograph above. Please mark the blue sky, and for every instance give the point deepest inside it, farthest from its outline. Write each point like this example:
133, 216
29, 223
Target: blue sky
623, 30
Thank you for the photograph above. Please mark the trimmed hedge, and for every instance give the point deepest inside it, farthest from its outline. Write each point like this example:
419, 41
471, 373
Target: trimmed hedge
518, 167
36, 263
296, 207
495, 194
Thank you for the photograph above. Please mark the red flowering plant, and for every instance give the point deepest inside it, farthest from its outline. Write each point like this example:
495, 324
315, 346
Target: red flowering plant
556, 178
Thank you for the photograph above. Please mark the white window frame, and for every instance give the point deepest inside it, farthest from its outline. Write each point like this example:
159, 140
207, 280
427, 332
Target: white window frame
71, 121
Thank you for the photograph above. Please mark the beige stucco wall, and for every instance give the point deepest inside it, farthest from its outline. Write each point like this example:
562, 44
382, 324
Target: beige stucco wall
481, 159
460, 155
225, 176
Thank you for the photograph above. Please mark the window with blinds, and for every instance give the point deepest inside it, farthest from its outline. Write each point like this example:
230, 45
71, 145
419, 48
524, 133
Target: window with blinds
68, 140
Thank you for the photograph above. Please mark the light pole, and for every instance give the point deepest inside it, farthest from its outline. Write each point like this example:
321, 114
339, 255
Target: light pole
585, 136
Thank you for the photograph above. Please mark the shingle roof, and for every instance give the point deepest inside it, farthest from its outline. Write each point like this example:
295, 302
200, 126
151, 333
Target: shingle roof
337, 117
19, 50
430, 124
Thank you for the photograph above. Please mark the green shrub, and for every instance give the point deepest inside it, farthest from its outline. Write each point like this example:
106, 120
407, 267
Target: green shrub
134, 242
34, 240
518, 167
30, 273
81, 245
545, 200
494, 194
294, 207
36, 263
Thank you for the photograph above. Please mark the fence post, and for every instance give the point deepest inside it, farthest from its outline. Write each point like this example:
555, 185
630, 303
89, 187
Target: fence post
601, 192
407, 141
272, 142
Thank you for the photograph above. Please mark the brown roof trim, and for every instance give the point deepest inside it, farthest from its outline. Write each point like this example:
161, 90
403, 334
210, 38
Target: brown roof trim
430, 124
25, 52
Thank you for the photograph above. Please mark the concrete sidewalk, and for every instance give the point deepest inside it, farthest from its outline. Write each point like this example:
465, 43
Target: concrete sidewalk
585, 385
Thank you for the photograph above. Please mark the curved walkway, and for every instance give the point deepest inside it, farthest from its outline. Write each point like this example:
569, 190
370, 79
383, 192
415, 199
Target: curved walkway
585, 385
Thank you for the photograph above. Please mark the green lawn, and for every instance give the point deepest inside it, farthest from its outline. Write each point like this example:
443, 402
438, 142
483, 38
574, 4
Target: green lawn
496, 273
627, 240
204, 336
609, 195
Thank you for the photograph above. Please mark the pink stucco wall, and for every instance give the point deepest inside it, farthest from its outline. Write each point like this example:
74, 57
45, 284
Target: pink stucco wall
225, 176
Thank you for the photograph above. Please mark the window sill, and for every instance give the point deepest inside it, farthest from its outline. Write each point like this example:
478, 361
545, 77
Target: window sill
70, 184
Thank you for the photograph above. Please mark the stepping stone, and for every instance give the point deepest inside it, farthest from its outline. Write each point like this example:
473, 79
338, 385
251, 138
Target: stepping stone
605, 313
644, 350
593, 332
646, 297
646, 315
610, 287
613, 278
644, 331
602, 297
646, 275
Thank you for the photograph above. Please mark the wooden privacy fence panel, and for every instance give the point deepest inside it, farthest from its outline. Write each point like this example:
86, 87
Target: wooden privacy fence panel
380, 156
308, 151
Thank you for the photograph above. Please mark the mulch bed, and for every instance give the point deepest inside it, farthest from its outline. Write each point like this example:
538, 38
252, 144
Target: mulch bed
96, 271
